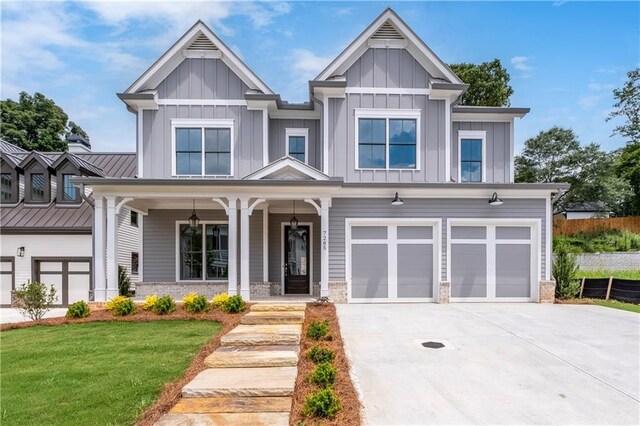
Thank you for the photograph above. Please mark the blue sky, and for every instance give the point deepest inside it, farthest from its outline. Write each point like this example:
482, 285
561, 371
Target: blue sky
564, 58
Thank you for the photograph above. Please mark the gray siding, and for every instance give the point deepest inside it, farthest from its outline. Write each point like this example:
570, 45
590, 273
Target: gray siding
278, 143
343, 208
387, 68
275, 244
128, 241
202, 79
498, 167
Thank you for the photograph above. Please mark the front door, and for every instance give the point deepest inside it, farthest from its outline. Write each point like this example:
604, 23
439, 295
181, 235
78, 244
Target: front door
296, 260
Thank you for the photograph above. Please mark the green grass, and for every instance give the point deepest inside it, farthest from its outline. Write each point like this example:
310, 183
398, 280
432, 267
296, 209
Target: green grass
631, 307
93, 373
600, 241
623, 275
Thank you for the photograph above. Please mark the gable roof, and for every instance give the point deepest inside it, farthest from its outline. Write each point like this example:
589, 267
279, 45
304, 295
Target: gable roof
389, 27
287, 168
44, 160
11, 148
593, 206
200, 40
84, 166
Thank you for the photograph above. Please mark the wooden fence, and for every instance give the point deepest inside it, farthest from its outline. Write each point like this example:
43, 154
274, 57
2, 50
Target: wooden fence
576, 226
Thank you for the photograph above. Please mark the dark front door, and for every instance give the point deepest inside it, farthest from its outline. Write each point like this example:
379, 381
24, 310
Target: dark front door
296, 260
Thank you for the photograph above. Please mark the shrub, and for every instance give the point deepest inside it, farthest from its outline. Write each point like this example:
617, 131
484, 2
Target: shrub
195, 303
233, 305
121, 306
150, 302
319, 354
33, 299
323, 403
124, 282
565, 272
79, 309
164, 306
318, 330
219, 300
324, 375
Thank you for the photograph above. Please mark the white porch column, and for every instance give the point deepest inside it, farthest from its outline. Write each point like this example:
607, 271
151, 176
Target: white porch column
232, 273
325, 203
112, 248
99, 283
244, 248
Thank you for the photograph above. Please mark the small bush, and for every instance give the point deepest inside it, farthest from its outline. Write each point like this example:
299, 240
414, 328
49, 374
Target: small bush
124, 282
33, 299
319, 354
150, 302
565, 272
121, 306
318, 330
323, 403
79, 309
233, 305
195, 303
164, 306
219, 300
324, 375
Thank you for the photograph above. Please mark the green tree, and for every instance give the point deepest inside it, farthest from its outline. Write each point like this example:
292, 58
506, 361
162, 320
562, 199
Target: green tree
628, 167
488, 83
551, 156
36, 123
628, 106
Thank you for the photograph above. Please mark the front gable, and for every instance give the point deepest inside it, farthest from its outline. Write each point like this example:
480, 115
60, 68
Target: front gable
287, 168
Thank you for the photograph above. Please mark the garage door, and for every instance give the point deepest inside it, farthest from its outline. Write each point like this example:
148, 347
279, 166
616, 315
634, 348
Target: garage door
392, 261
493, 262
71, 277
7, 280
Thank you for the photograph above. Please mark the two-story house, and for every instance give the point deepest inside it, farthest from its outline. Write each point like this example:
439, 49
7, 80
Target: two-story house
379, 188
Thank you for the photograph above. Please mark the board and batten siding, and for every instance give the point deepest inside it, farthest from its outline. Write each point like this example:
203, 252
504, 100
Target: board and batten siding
343, 208
278, 142
128, 241
387, 68
498, 167
276, 263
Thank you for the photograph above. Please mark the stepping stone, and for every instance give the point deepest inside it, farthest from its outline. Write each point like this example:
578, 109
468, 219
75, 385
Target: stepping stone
256, 404
270, 317
222, 382
278, 307
273, 334
291, 348
256, 358
235, 419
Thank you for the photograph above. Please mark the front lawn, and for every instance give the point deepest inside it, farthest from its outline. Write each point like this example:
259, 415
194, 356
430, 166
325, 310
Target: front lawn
631, 307
623, 275
93, 373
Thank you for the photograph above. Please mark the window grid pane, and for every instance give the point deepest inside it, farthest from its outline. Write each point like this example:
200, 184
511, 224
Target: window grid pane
217, 251
296, 147
402, 144
189, 151
471, 160
190, 253
37, 187
69, 191
372, 143
7, 181
217, 157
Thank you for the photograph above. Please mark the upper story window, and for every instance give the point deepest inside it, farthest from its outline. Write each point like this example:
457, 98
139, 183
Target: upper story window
134, 218
69, 192
7, 187
298, 144
471, 148
37, 187
202, 147
387, 139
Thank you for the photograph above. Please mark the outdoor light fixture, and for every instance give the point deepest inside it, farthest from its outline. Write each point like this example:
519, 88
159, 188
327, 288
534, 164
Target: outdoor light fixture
194, 220
20, 251
397, 201
495, 201
294, 220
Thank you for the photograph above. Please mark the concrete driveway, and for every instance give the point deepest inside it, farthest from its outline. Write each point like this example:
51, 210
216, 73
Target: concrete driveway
501, 364
8, 315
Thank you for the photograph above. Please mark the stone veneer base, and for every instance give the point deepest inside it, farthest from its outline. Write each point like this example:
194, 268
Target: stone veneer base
444, 293
547, 292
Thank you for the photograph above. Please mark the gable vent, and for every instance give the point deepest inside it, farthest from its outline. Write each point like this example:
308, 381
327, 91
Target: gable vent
202, 42
387, 32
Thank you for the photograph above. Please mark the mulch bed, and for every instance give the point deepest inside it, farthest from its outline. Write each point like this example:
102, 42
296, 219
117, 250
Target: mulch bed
349, 415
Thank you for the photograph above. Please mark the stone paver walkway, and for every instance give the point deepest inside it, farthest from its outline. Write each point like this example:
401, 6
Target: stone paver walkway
251, 376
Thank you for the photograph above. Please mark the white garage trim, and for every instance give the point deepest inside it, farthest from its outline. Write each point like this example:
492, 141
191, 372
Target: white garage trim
392, 242
491, 241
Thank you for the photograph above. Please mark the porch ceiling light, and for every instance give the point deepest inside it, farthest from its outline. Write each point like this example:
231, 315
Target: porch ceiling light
194, 220
294, 220
495, 200
397, 201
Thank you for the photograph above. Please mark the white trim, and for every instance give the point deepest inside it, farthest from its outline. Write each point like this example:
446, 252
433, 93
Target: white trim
473, 134
198, 54
283, 163
282, 226
254, 205
122, 203
140, 247
99, 251
325, 135
112, 247
224, 205
265, 243
304, 132
392, 243
387, 91
265, 137
245, 241
140, 142
548, 239
387, 114
512, 163
387, 44
215, 123
203, 102
447, 138
232, 245
484, 117
203, 223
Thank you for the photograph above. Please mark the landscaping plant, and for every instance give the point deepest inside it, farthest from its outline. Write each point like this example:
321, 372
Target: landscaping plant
33, 299
565, 272
195, 303
233, 305
318, 354
219, 300
150, 302
323, 403
324, 375
164, 306
79, 309
318, 330
121, 306
124, 282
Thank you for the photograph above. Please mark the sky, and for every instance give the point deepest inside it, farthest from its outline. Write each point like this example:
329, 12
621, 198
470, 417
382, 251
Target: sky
564, 57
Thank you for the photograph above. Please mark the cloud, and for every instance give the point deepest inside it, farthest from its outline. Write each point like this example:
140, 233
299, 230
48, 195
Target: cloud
305, 66
521, 63
588, 101
559, 3
599, 87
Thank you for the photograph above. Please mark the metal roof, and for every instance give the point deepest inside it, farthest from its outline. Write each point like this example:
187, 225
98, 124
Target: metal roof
11, 148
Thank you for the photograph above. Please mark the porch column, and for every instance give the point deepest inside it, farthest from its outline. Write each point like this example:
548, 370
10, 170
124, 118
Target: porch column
244, 248
99, 283
232, 261
112, 248
325, 203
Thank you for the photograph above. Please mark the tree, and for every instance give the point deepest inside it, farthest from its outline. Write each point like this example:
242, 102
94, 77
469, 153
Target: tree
36, 123
628, 106
628, 167
488, 83
550, 156
34, 300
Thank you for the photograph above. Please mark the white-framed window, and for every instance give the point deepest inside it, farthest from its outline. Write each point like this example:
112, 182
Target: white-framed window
472, 148
387, 139
298, 144
202, 147
202, 253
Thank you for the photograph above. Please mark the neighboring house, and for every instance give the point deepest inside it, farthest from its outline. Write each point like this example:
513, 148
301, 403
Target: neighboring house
46, 222
242, 191
586, 210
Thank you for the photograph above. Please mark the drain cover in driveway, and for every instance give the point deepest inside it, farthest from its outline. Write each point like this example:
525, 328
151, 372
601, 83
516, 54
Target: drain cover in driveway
433, 345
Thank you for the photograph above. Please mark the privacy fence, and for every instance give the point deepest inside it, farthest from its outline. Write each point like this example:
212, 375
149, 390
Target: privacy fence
611, 288
576, 226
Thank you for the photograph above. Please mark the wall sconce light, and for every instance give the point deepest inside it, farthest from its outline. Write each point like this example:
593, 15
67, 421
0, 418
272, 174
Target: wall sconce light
495, 200
20, 251
397, 201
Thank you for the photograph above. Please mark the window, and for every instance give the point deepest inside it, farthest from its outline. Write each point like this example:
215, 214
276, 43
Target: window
297, 143
471, 148
203, 251
37, 187
7, 186
387, 139
134, 218
134, 262
69, 192
203, 147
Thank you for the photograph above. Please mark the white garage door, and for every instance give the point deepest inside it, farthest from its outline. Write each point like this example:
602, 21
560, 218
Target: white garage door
7, 279
392, 261
71, 277
496, 261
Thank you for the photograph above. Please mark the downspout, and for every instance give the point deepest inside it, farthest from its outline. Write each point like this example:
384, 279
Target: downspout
315, 99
